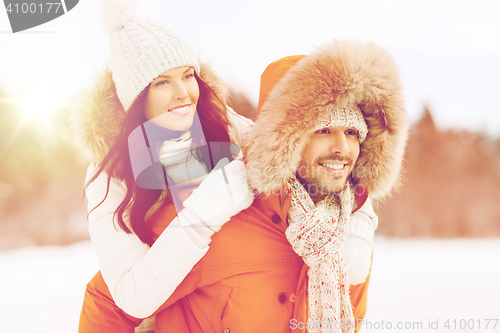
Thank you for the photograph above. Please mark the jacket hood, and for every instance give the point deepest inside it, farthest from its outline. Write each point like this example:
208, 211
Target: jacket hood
298, 91
97, 118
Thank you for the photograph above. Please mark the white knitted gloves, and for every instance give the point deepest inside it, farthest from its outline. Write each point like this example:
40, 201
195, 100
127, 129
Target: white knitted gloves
358, 246
221, 195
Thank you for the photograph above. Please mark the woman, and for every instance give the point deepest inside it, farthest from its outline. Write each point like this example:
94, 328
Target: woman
154, 84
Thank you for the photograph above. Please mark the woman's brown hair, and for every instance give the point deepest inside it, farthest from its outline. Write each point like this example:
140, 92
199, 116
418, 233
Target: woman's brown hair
138, 201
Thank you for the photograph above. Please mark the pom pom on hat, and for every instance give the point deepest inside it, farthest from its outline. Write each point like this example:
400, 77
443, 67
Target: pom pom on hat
115, 13
140, 49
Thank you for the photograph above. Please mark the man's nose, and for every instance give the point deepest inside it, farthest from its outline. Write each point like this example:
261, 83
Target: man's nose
338, 143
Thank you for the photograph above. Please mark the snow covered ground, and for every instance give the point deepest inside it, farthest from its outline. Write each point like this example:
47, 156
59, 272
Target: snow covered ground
41, 288
428, 280
414, 283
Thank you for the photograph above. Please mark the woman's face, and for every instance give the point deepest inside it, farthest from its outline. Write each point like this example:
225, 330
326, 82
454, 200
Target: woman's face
172, 98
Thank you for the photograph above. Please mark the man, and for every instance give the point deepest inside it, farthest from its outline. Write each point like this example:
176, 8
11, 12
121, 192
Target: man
335, 116
331, 130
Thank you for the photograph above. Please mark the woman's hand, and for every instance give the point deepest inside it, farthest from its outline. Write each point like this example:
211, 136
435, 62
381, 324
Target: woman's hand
221, 195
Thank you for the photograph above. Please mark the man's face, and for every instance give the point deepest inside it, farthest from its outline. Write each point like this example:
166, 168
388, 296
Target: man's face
327, 161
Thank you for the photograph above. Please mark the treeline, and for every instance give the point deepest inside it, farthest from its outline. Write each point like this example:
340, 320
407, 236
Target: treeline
41, 180
451, 187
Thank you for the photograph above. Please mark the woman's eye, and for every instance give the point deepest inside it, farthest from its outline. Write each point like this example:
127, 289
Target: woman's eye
160, 83
189, 76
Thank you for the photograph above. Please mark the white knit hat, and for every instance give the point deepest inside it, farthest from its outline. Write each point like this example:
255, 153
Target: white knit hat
141, 49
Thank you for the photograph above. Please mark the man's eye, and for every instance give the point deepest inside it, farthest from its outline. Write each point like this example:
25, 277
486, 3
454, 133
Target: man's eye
351, 132
323, 131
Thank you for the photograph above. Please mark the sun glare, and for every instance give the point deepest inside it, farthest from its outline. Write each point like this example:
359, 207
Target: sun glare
36, 104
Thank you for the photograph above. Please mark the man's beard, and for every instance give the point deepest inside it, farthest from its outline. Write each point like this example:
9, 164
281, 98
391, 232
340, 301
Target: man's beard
318, 182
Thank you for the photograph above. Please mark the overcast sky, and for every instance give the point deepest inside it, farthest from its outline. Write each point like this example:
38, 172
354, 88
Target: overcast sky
448, 51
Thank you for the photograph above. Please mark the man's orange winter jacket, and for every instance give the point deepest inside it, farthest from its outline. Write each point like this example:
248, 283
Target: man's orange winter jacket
250, 280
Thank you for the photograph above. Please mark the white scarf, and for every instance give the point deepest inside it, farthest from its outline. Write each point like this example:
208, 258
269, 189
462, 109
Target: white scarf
316, 233
180, 164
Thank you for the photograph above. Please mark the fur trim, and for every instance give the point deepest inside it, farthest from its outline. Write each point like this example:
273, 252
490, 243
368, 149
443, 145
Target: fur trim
338, 74
96, 120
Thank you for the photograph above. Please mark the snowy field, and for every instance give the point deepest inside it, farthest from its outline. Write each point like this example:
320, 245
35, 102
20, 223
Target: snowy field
414, 283
427, 280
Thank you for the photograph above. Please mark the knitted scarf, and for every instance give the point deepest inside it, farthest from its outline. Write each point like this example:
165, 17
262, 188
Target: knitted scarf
316, 233
180, 164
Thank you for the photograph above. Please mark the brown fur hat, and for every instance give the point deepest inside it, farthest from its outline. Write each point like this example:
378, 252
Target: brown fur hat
97, 118
336, 75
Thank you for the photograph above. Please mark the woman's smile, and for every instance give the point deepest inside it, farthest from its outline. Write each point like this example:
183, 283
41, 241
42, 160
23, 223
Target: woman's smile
181, 110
